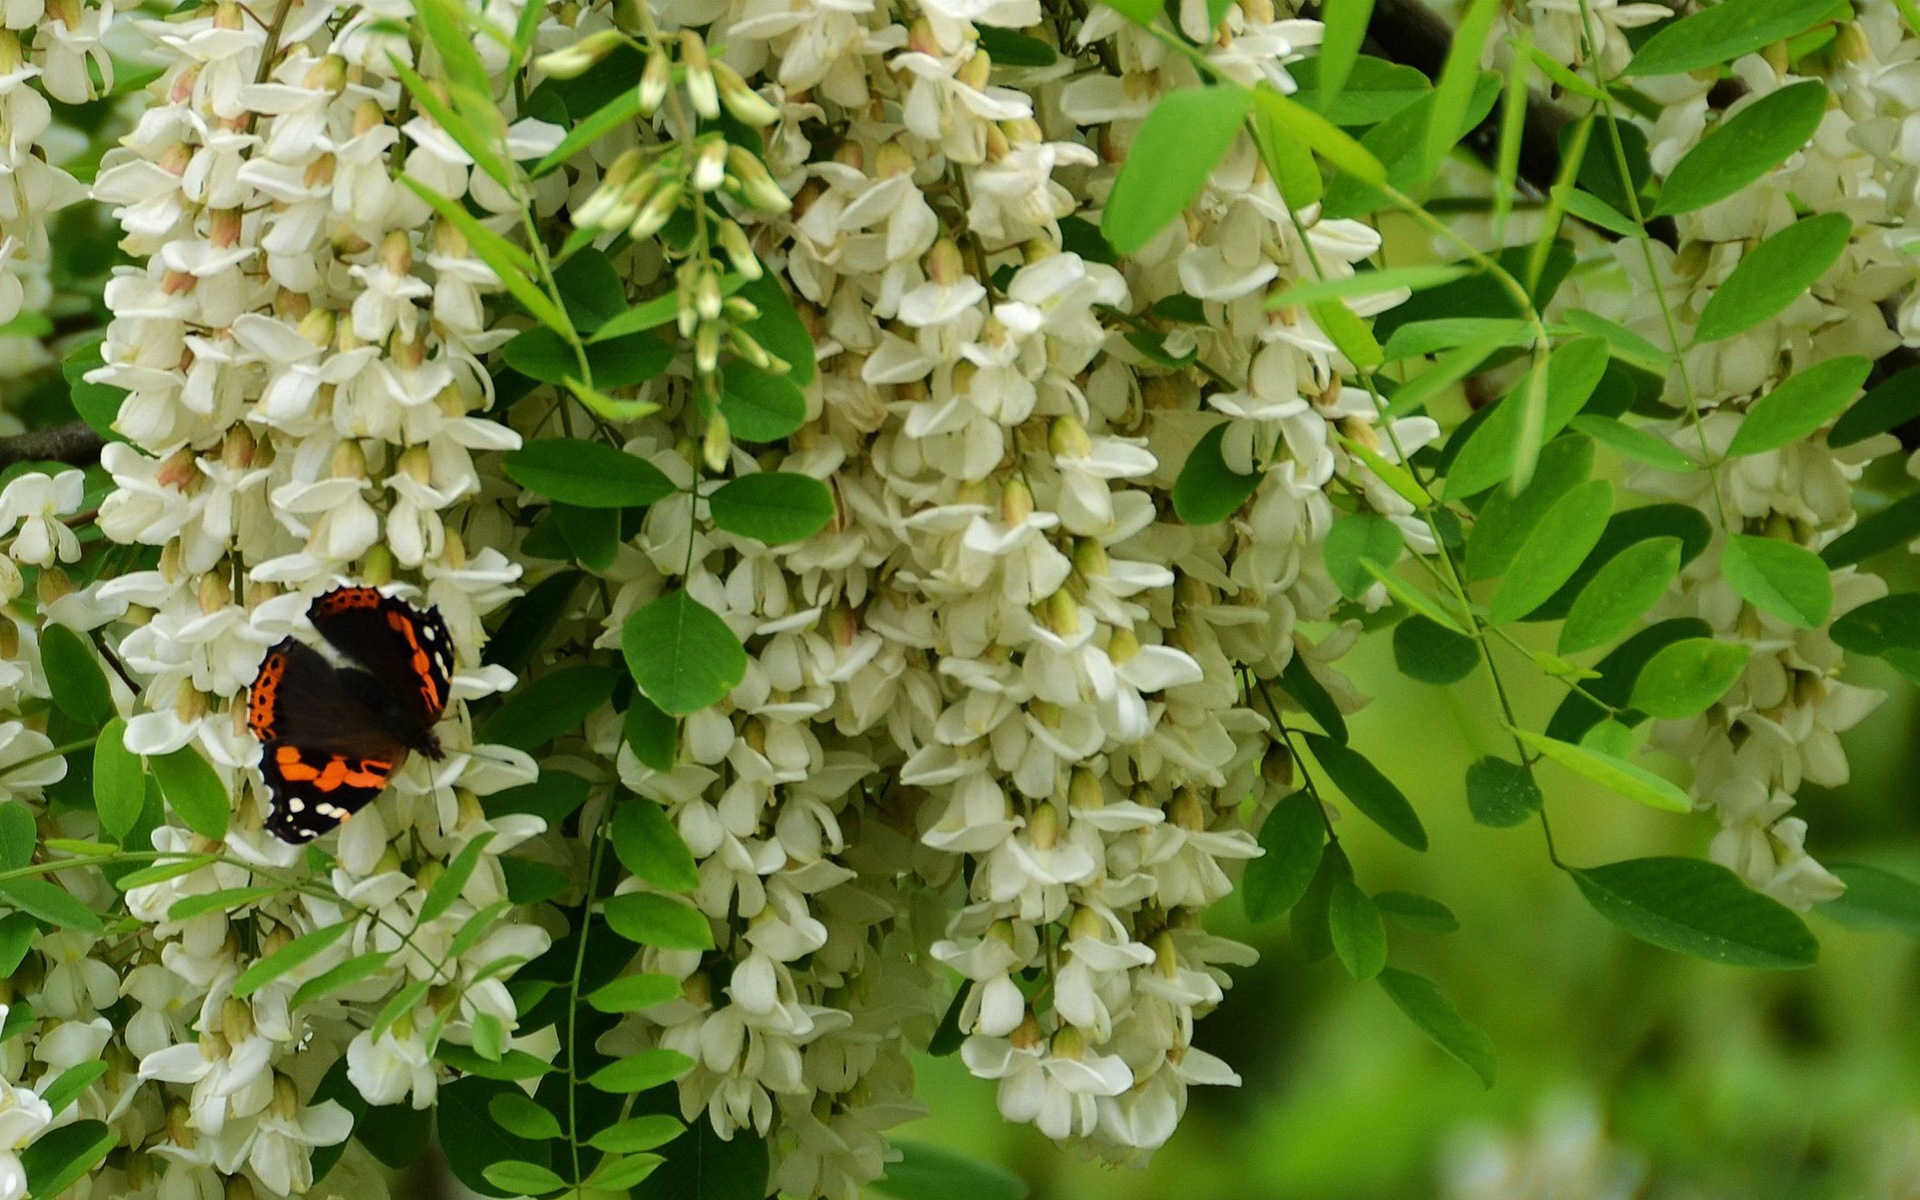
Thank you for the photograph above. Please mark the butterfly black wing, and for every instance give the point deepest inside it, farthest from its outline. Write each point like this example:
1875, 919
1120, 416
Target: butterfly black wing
406, 649
326, 753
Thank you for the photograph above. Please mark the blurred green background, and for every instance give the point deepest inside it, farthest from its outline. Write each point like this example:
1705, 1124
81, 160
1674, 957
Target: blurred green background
1624, 1070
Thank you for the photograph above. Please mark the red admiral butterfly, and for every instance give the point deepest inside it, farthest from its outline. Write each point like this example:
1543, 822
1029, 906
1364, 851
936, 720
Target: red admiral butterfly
334, 735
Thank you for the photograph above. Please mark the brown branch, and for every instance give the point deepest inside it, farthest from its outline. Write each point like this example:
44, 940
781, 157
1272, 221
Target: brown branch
74, 443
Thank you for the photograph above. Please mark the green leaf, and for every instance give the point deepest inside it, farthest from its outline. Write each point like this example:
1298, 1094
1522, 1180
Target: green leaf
634, 993
1501, 794
637, 1134
59, 1158
774, 507
1292, 838
192, 790
1415, 599
354, 970
50, 903
1010, 49
651, 733
1632, 442
760, 407
616, 1173
73, 673
1448, 119
1893, 401
472, 1140
1875, 899
1628, 346
544, 354
1392, 474
1428, 1007
1620, 593
300, 950
615, 113
641, 1071
1688, 676
1359, 939
1553, 551
1325, 138
593, 290
1432, 653
1410, 910
1508, 517
1743, 147
1782, 578
1208, 491
71, 1083
189, 907
1288, 160
516, 271
683, 656
1369, 283
1351, 541
469, 116
1773, 274
1626, 528
1375, 89
1297, 680
1699, 908
660, 921
119, 781
700, 1166
1185, 135
1895, 525
1348, 333
1615, 774
1594, 211
19, 834
1345, 29
1889, 623
1722, 32
544, 708
17, 935
522, 1178
779, 328
592, 535
1487, 457
936, 1173
511, 1067
521, 1117
1416, 339
97, 403
1369, 791
453, 880
649, 846
1140, 12
446, 24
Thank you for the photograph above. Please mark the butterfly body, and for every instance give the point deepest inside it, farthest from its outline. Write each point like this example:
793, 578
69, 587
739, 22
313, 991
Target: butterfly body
333, 733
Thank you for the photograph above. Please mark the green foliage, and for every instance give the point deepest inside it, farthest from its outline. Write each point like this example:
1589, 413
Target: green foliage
1722, 32
682, 654
1352, 542
586, 474
1613, 773
649, 846
1700, 908
1426, 1006
1783, 579
1175, 149
1369, 791
1553, 551
1501, 793
654, 920
1292, 839
1208, 490
933, 1173
1684, 678
1773, 275
774, 507
1619, 593
1743, 147
193, 791
1799, 406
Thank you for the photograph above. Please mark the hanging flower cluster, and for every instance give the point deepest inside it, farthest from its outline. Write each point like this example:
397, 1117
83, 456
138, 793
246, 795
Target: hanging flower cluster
897, 479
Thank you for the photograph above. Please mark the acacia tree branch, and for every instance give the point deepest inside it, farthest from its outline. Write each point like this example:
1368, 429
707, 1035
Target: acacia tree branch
75, 443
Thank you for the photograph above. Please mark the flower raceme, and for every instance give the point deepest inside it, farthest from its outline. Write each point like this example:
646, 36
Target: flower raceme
896, 555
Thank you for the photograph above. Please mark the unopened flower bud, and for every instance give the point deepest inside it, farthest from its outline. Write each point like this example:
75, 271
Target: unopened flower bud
944, 263
739, 252
236, 1019
52, 586
214, 593
1067, 1042
654, 82
702, 89
376, 568
1067, 438
747, 105
710, 164
1016, 503
239, 1187
1276, 766
717, 442
657, 211
1187, 811
756, 186
349, 461
1028, 1035
1043, 827
706, 348
1084, 790
576, 60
